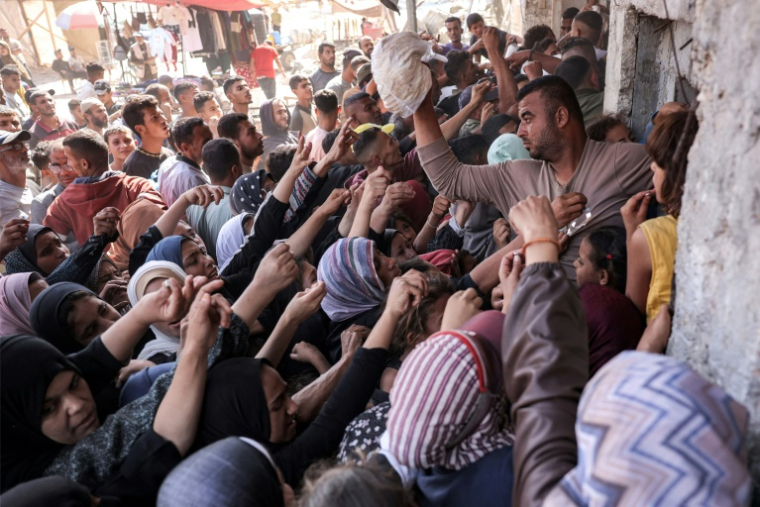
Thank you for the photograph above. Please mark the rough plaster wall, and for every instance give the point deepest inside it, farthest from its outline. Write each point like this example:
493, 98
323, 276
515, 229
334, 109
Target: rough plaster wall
621, 60
717, 321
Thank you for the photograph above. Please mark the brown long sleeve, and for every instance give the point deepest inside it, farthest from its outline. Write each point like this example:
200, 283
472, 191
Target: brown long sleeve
545, 357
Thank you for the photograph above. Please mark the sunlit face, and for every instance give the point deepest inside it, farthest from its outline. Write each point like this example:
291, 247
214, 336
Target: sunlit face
303, 90
90, 318
280, 115
239, 93
121, 145
16, 161
401, 248
386, 267
210, 109
328, 57
405, 229
537, 130
60, 167
79, 165
618, 134
454, 31
154, 124
45, 105
68, 411
186, 97
10, 123
282, 409
11, 82
76, 113
477, 29
585, 272
658, 179
388, 150
197, 263
98, 116
50, 250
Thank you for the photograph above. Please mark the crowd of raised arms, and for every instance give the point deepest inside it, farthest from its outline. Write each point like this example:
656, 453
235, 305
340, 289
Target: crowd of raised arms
210, 301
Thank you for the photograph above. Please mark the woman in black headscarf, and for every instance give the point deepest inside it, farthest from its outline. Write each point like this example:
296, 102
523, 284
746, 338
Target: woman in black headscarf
46, 254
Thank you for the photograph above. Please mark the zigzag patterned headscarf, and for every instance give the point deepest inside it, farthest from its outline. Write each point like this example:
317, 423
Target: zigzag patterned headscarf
353, 286
651, 431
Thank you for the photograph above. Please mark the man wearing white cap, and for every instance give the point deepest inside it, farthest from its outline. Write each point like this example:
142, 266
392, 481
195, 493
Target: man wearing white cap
16, 193
95, 113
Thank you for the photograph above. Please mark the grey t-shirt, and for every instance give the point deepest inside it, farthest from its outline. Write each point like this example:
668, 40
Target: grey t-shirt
339, 86
320, 79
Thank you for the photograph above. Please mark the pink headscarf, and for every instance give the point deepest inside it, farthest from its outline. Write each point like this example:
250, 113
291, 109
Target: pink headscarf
15, 302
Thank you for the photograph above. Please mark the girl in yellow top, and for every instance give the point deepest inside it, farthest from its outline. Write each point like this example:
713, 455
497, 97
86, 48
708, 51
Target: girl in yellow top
652, 243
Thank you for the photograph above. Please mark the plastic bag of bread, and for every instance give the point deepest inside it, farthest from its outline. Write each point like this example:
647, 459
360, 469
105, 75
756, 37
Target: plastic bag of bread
399, 70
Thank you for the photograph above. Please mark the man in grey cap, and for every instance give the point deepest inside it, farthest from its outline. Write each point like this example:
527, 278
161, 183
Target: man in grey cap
339, 84
104, 93
16, 192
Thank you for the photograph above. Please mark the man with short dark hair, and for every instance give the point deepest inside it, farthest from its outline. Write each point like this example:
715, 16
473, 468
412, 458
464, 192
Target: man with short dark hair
339, 84
76, 64
221, 161
537, 33
185, 92
326, 70
588, 24
462, 72
86, 90
121, 143
65, 175
95, 188
239, 94
367, 45
302, 117
454, 31
63, 68
48, 126
182, 172
95, 113
497, 125
142, 114
11, 78
163, 95
238, 128
363, 109
566, 23
208, 110
579, 75
569, 169
275, 121
326, 103
9, 120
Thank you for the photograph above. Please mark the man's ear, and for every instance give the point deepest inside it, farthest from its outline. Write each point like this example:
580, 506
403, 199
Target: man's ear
562, 117
594, 80
140, 129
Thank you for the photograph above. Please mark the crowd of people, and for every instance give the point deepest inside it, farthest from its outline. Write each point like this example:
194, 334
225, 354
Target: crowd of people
338, 304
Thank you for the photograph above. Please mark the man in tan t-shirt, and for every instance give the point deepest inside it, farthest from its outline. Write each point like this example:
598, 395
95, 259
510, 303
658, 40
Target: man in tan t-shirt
571, 170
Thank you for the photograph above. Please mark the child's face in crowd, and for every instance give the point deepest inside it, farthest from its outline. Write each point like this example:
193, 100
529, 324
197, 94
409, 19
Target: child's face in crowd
658, 177
618, 134
121, 145
584, 268
405, 229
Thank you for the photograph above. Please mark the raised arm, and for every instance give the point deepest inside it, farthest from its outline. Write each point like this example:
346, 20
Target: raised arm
504, 78
374, 189
202, 195
301, 240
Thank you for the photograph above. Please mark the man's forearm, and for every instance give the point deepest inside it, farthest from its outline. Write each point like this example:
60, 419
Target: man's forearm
311, 398
426, 125
504, 79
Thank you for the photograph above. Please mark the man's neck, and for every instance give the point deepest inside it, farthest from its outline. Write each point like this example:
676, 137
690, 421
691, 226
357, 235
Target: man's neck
188, 112
567, 162
108, 103
328, 123
227, 182
95, 129
304, 103
49, 120
152, 145
92, 81
98, 173
240, 108
10, 92
326, 68
246, 161
346, 75
458, 44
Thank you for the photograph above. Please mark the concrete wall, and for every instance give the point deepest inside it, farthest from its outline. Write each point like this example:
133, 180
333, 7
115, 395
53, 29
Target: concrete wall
717, 320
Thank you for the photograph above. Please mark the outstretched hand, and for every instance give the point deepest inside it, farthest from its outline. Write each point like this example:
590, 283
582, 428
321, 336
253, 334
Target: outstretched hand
203, 195
277, 270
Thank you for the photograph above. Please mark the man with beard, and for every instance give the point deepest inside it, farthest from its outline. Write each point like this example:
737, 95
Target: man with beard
571, 170
326, 70
16, 192
143, 116
367, 45
275, 121
454, 31
239, 129
221, 161
238, 93
95, 113
95, 188
363, 109
48, 126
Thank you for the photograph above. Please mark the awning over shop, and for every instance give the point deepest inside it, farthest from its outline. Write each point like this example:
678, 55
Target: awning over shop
364, 8
219, 5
